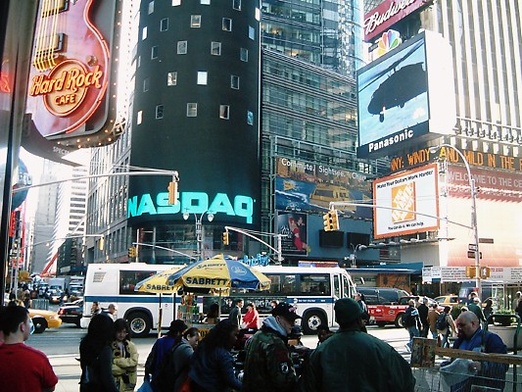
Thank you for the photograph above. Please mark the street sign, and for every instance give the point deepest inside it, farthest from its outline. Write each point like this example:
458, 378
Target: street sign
471, 254
472, 247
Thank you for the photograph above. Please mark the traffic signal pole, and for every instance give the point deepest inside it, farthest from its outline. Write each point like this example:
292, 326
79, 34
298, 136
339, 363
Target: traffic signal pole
250, 233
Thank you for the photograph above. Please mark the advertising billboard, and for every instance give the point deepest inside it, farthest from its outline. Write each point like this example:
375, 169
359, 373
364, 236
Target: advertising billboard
311, 187
407, 203
293, 226
406, 95
70, 94
499, 216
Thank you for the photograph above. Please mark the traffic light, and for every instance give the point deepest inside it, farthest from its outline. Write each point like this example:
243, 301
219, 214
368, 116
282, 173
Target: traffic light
132, 251
471, 271
173, 192
225, 238
331, 220
485, 272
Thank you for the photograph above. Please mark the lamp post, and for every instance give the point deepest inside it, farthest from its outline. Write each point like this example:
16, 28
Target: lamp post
474, 225
353, 255
199, 228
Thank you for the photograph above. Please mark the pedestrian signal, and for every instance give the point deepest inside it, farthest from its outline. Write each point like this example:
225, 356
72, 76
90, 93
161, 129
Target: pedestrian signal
471, 271
225, 238
331, 220
485, 272
173, 192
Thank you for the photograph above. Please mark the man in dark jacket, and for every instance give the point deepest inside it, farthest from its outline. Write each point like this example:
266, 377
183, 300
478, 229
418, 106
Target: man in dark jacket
411, 322
235, 313
268, 364
353, 360
473, 338
423, 317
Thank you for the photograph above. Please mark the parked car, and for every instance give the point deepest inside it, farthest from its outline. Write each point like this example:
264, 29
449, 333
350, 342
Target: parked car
71, 313
43, 319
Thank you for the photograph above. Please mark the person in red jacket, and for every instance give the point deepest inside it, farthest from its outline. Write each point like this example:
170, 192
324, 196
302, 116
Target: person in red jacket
22, 368
251, 318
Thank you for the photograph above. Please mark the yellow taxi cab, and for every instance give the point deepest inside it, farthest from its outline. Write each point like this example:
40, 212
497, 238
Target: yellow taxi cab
447, 300
43, 319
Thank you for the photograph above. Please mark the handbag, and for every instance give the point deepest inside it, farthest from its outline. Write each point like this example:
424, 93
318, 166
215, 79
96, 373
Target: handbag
146, 386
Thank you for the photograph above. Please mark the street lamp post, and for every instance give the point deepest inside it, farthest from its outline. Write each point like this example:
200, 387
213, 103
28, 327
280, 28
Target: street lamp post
474, 225
199, 228
353, 255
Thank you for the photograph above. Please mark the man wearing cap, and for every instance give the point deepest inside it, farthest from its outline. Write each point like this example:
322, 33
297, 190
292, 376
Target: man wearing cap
268, 365
477, 309
162, 347
423, 317
353, 360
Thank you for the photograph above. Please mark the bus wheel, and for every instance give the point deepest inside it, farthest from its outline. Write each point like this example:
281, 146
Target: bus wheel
311, 321
139, 324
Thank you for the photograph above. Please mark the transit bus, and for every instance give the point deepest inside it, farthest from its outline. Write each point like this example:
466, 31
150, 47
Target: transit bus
313, 290
114, 283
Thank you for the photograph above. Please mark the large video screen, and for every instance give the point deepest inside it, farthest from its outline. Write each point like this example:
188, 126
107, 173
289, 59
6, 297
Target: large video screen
404, 95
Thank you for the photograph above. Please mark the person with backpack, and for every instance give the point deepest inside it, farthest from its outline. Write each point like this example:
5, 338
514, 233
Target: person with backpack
433, 315
445, 325
410, 321
174, 368
161, 348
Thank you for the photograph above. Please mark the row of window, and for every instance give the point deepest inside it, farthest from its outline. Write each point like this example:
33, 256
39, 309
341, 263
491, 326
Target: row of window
195, 23
202, 77
215, 50
192, 111
236, 4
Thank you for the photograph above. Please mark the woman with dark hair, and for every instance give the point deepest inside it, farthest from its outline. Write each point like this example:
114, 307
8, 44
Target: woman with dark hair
212, 367
125, 357
213, 314
96, 356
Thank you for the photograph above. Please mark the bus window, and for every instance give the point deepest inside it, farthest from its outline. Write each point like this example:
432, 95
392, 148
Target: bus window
289, 285
346, 288
337, 287
129, 279
315, 284
275, 283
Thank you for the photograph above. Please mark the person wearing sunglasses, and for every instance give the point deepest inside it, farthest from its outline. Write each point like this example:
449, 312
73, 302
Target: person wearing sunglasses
22, 368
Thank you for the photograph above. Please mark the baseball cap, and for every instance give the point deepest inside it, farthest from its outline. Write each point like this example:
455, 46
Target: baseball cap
285, 310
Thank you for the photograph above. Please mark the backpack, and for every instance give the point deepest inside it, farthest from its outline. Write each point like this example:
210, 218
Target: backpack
166, 376
442, 322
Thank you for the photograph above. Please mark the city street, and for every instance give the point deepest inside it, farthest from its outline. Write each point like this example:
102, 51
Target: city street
61, 346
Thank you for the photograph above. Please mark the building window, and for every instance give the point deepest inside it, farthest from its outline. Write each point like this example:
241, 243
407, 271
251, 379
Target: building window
224, 112
172, 78
205, 2
182, 47
215, 48
175, 3
251, 33
151, 7
139, 117
234, 82
139, 61
144, 32
146, 83
226, 24
236, 4
192, 109
164, 24
250, 117
159, 112
195, 21
154, 52
243, 55
202, 77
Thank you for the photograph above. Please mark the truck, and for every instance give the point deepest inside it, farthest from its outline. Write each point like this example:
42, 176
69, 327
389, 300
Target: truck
57, 284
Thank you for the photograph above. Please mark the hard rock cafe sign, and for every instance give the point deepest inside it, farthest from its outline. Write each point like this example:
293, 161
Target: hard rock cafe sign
388, 13
65, 87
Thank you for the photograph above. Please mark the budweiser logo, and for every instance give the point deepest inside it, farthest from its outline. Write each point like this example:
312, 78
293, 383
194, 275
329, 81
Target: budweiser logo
376, 19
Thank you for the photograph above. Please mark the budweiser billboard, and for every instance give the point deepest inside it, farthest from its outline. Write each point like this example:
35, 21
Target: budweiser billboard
388, 13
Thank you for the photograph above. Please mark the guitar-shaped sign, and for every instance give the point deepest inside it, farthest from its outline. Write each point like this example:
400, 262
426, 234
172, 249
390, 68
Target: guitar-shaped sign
70, 67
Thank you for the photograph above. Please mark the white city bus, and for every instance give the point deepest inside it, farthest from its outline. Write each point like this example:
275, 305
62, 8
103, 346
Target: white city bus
114, 283
313, 290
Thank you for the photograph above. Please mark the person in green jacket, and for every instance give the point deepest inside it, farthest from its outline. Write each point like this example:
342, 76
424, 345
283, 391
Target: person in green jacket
353, 360
268, 362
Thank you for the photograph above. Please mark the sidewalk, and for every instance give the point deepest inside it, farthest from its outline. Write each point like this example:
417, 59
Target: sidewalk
67, 368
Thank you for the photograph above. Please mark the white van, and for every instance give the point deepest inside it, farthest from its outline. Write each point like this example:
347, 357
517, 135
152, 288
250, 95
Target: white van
114, 283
